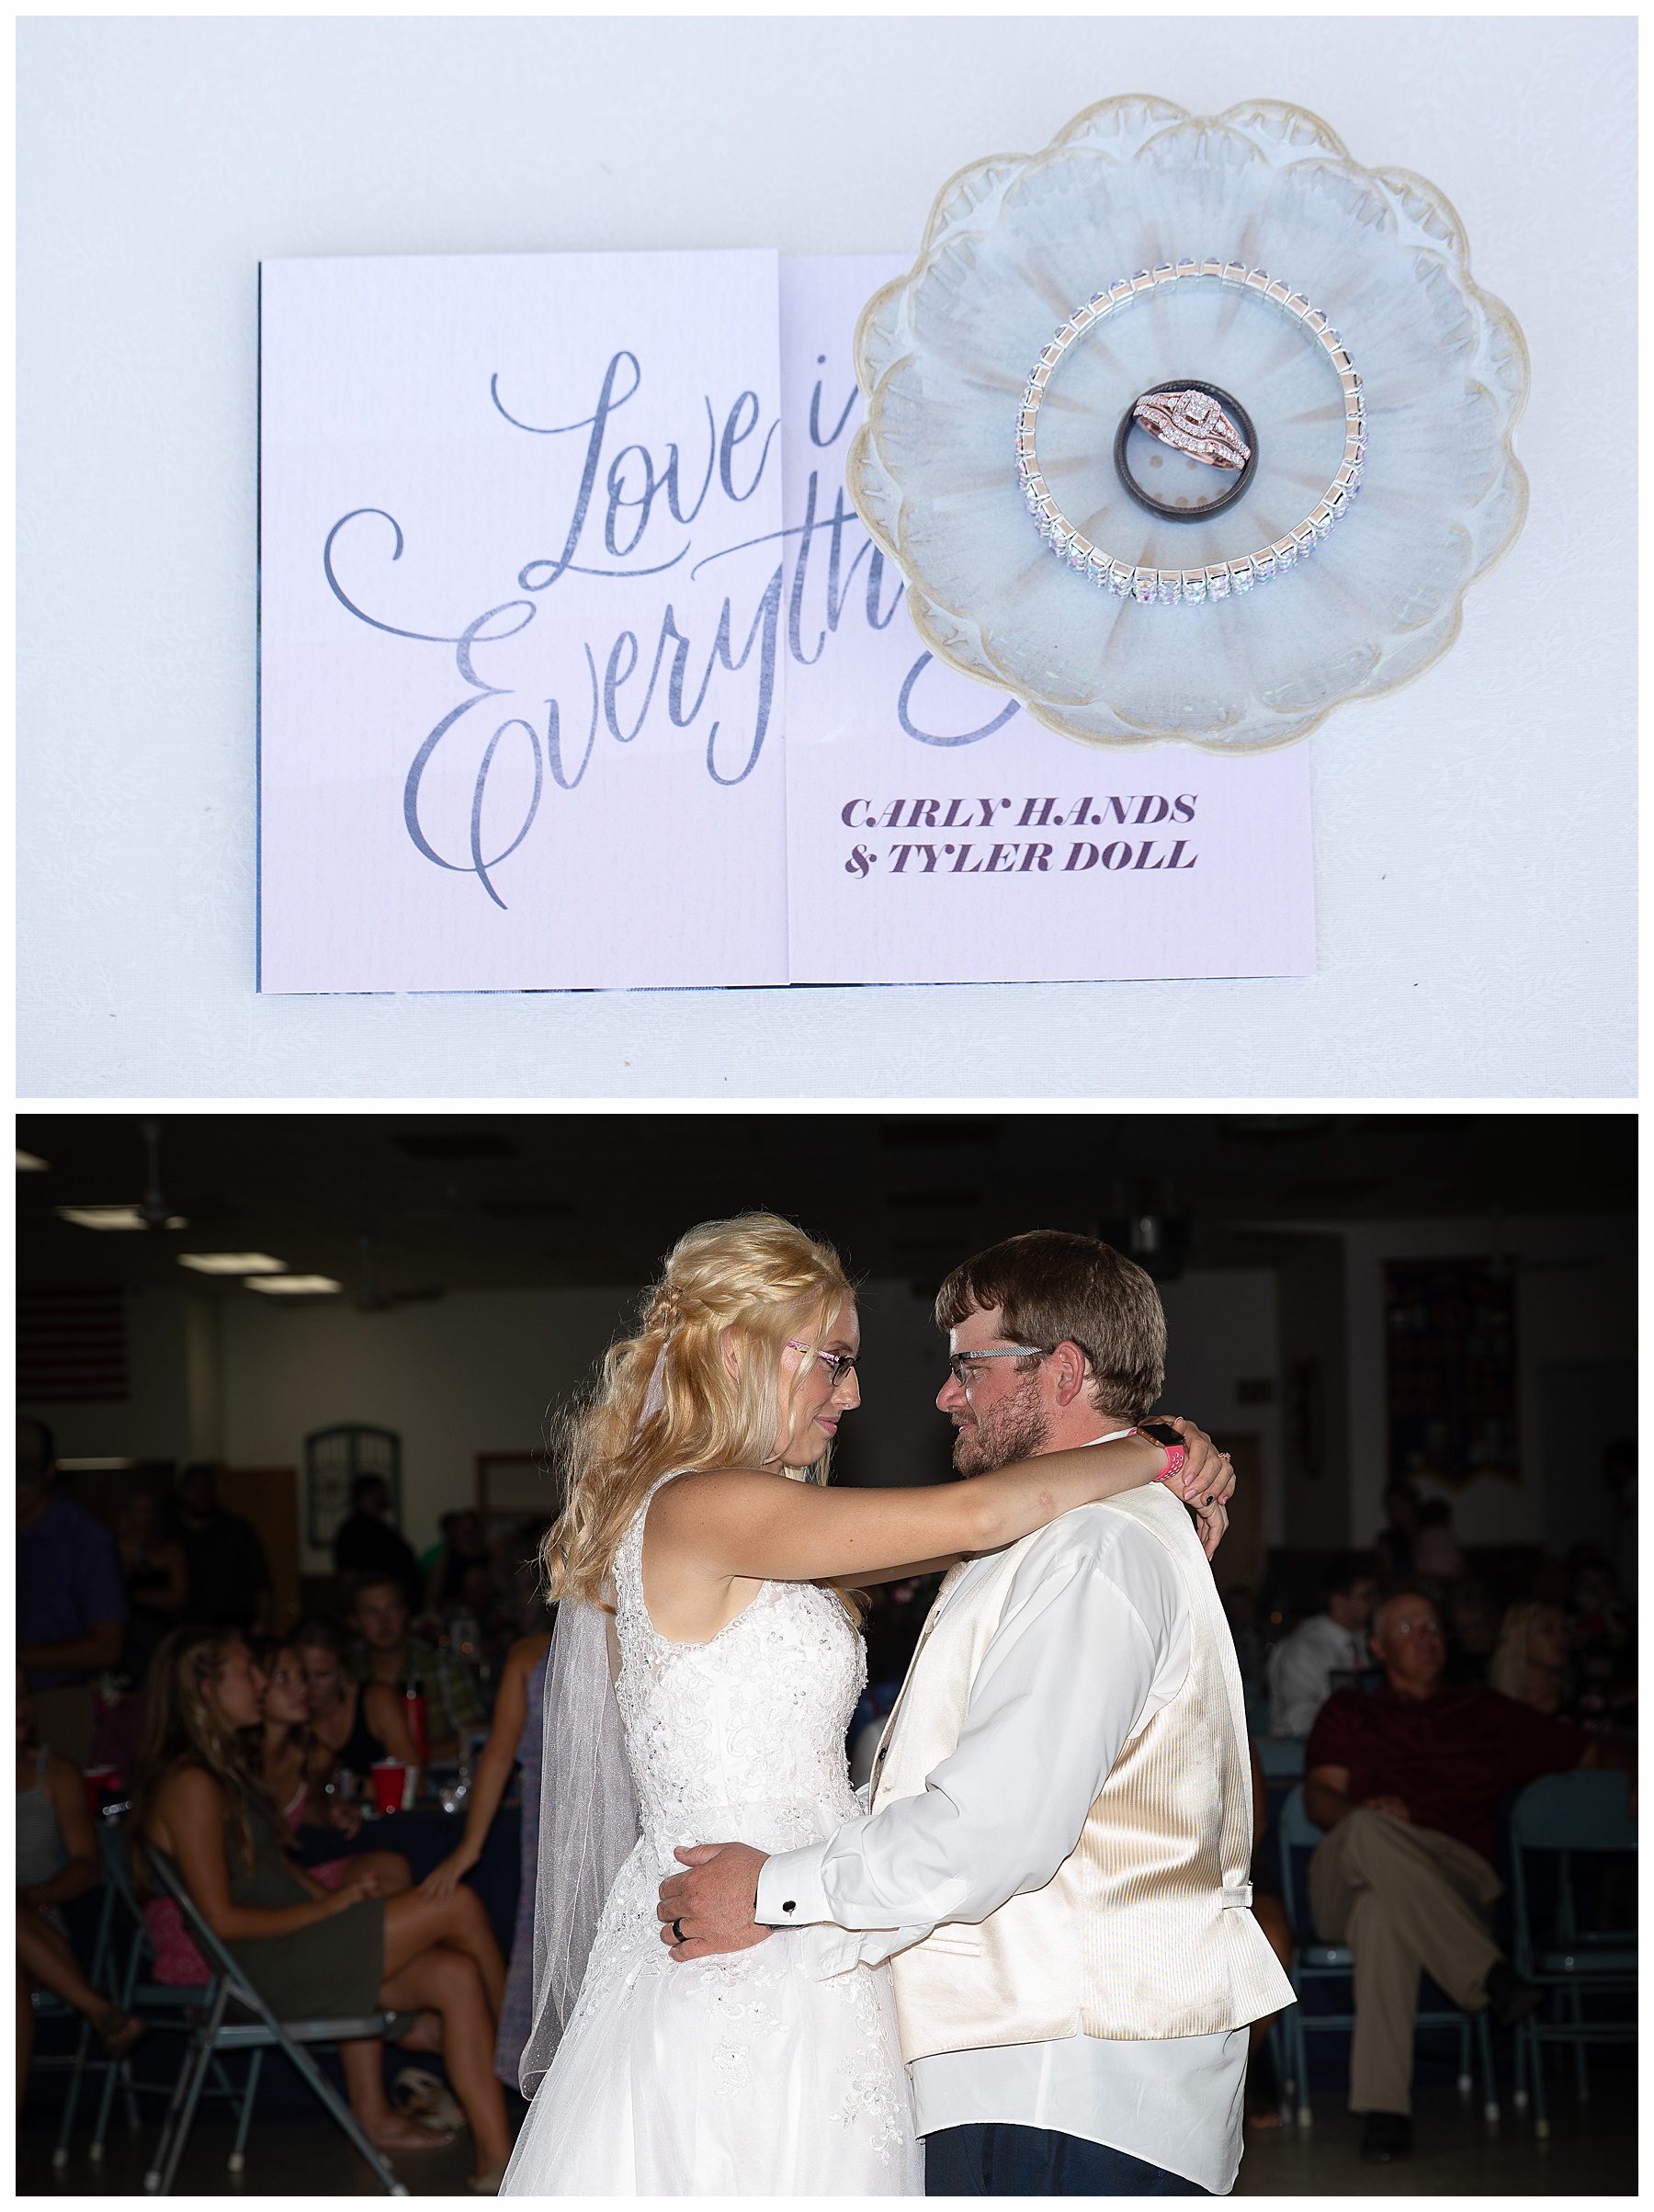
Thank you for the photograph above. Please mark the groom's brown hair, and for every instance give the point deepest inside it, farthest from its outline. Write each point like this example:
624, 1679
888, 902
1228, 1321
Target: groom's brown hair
1051, 1287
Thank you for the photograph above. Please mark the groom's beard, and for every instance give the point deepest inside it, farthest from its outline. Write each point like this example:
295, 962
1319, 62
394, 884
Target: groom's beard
1018, 1428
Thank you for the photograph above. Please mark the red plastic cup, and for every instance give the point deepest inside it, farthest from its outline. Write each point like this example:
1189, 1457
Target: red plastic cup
389, 1776
100, 1781
413, 1709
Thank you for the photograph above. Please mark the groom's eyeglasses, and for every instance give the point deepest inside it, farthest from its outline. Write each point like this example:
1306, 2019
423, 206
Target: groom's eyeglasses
961, 1363
837, 1364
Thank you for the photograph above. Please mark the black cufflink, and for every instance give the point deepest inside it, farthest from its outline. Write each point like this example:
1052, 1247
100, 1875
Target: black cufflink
791, 1905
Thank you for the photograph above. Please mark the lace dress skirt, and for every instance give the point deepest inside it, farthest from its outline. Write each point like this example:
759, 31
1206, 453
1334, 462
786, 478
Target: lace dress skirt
747, 2075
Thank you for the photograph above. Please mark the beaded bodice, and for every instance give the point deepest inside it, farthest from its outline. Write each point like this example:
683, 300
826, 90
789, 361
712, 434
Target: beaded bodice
741, 1738
773, 2071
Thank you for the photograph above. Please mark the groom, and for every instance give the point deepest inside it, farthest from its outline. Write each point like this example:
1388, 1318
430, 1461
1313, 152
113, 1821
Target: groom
1055, 1857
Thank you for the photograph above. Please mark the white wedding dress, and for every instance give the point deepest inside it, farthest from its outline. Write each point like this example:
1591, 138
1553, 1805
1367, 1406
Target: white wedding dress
747, 2075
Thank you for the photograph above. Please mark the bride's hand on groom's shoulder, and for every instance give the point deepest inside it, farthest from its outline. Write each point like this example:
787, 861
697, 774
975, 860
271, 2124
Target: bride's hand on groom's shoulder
1204, 1480
709, 1907
1211, 1522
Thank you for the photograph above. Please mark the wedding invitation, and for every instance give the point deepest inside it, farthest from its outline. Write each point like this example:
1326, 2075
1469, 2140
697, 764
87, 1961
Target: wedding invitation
578, 670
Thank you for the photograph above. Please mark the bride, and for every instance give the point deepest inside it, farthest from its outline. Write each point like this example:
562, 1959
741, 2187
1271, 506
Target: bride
720, 1602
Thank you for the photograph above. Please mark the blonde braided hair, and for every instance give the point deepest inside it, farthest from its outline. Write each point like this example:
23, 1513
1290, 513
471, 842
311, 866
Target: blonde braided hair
664, 1400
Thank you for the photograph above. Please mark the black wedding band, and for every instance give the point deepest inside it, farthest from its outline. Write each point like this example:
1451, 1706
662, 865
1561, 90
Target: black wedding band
1237, 415
677, 1931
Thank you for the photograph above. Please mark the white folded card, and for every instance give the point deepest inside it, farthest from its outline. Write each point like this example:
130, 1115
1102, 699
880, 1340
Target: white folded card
577, 669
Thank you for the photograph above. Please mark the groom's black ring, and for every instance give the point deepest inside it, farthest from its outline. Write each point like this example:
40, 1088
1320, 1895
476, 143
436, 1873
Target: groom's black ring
677, 1931
1207, 508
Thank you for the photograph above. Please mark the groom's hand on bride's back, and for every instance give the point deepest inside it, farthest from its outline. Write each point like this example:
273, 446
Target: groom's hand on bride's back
708, 1908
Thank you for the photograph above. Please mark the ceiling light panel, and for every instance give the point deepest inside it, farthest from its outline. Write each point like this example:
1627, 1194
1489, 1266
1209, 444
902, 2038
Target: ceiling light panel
294, 1286
102, 1217
231, 1262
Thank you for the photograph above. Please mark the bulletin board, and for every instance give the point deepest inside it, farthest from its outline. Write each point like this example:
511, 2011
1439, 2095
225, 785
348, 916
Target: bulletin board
1450, 1329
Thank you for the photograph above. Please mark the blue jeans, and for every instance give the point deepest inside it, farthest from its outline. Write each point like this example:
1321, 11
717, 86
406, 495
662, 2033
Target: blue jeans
994, 2158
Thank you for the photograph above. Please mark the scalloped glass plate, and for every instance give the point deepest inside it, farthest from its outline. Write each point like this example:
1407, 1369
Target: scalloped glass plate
1014, 243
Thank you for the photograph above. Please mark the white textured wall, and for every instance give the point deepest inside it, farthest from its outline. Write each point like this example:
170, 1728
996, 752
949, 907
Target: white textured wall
1473, 833
470, 1373
1220, 1331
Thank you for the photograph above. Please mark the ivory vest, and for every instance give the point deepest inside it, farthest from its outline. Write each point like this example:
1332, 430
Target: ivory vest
1143, 1931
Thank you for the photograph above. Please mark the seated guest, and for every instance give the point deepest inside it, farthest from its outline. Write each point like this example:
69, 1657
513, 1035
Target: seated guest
1530, 1662
293, 1764
282, 1752
1436, 1548
1406, 1783
520, 1579
500, 1621
515, 1739
366, 1544
117, 1740
1473, 1627
462, 1551
158, 1580
311, 1953
229, 1583
482, 1619
385, 1653
433, 1552
1329, 1642
1594, 1592
355, 1724
1241, 1611
57, 1859
1601, 1639
480, 1593
71, 1607
1393, 1546
1549, 1580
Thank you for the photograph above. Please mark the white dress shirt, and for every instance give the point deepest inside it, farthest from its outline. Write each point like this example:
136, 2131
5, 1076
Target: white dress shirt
1301, 1668
1094, 1640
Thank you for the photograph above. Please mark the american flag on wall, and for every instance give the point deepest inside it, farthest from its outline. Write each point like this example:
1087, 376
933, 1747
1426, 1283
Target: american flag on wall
72, 1346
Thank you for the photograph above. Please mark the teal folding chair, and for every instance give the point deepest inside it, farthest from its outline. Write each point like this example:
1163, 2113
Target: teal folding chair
1568, 1814
1281, 1757
1315, 1963
171, 2008
216, 2033
45, 2005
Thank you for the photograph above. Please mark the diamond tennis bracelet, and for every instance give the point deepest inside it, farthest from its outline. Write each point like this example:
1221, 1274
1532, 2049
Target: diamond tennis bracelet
1171, 586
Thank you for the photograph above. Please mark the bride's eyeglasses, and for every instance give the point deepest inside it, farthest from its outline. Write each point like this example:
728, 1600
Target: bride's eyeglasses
837, 1364
961, 1363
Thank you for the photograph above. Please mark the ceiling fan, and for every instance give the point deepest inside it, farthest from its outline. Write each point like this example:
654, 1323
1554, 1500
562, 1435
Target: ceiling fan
154, 1211
371, 1298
